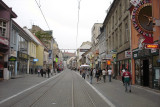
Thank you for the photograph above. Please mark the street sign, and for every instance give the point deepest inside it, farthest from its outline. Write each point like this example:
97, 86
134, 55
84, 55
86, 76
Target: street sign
127, 54
152, 46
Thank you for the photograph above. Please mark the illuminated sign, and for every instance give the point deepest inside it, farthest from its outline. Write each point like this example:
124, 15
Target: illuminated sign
152, 46
108, 62
35, 60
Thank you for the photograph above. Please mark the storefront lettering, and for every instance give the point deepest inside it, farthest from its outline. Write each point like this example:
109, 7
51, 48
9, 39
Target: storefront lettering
3, 41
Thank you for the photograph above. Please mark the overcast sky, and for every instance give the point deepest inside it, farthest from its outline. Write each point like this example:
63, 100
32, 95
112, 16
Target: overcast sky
62, 16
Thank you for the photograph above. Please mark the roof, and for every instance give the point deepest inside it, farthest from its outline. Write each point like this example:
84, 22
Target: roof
31, 35
3, 5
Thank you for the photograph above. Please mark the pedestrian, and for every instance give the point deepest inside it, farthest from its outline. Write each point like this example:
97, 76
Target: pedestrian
38, 72
104, 75
84, 73
127, 80
97, 75
109, 74
44, 72
88, 73
94, 72
91, 75
123, 70
100, 74
41, 72
48, 72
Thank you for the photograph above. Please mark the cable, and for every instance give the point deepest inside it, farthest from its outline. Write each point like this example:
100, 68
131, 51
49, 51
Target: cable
42, 13
78, 21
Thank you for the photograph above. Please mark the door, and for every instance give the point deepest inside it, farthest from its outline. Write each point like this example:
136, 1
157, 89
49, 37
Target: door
146, 72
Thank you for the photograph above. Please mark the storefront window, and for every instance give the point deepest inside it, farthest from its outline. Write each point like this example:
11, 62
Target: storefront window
156, 73
137, 72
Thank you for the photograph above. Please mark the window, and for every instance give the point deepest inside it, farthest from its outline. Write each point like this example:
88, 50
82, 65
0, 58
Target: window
13, 36
120, 11
3, 28
126, 32
120, 37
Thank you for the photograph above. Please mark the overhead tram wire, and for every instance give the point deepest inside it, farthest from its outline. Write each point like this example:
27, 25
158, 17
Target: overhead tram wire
79, 1
42, 14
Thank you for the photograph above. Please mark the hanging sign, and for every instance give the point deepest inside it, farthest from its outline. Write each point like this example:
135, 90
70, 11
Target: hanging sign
135, 2
35, 60
143, 21
152, 46
12, 58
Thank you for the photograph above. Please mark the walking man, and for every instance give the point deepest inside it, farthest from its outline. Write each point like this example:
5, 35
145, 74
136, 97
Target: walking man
104, 75
48, 72
91, 76
127, 80
109, 74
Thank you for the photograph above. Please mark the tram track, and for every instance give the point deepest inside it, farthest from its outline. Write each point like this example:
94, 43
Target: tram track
84, 89
33, 91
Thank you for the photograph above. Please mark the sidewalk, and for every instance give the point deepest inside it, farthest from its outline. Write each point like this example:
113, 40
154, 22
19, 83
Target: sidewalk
14, 86
115, 92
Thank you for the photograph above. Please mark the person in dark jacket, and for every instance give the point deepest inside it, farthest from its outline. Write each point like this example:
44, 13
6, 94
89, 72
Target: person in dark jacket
91, 75
41, 72
48, 72
97, 75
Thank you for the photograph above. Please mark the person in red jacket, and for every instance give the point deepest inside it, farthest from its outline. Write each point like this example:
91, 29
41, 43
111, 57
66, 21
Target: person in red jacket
127, 80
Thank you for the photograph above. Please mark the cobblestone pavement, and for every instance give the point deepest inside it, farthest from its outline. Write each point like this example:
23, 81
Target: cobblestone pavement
69, 89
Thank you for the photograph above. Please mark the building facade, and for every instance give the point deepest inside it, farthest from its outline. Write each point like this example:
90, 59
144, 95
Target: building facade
117, 33
6, 15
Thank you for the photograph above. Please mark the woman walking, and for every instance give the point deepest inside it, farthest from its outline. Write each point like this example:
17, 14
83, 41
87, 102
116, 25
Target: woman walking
97, 75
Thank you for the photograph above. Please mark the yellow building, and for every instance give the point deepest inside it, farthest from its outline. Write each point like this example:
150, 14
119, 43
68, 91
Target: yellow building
32, 54
39, 55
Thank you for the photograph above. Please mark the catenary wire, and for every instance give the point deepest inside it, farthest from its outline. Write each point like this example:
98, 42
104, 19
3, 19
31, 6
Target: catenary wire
42, 14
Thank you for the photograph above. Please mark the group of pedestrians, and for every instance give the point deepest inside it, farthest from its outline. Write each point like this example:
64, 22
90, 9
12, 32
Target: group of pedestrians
44, 72
98, 74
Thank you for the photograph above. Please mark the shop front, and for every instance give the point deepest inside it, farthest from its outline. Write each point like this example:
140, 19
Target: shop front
123, 62
147, 68
22, 63
3, 54
1, 66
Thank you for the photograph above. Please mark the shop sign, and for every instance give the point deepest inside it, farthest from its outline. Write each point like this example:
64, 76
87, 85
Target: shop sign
113, 55
84, 50
108, 62
135, 2
13, 53
4, 41
127, 54
56, 59
143, 21
35, 60
135, 55
12, 58
50, 54
152, 46
109, 56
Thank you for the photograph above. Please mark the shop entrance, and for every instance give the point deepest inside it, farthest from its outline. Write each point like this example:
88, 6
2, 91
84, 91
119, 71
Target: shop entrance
146, 72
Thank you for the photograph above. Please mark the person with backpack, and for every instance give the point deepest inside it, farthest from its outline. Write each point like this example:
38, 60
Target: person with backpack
127, 80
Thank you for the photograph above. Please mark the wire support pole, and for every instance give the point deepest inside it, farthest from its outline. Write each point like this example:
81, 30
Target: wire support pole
42, 14
78, 22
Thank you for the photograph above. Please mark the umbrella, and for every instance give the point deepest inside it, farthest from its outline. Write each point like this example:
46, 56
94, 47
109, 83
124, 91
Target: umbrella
84, 66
